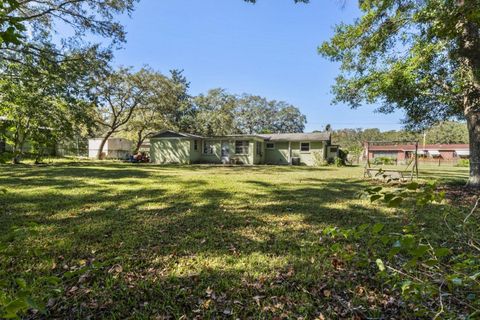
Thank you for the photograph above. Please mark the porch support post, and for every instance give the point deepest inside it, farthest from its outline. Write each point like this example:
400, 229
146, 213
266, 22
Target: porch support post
289, 152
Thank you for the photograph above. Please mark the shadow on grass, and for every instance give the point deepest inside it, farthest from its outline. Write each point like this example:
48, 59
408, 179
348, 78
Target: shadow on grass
178, 239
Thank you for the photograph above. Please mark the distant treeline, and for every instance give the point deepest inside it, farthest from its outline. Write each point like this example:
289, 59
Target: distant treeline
447, 132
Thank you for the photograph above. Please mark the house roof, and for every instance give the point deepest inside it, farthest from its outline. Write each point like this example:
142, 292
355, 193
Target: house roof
240, 136
174, 134
411, 147
314, 136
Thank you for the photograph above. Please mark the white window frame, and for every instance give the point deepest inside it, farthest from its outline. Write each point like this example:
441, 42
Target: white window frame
247, 146
272, 143
211, 149
309, 147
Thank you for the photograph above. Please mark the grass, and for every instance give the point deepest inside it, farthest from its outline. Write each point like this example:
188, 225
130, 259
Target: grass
140, 241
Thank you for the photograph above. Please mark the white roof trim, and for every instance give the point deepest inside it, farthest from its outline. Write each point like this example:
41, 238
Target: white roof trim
434, 152
462, 152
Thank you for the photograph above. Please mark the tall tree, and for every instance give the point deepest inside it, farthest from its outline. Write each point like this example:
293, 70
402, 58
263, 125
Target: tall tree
419, 56
447, 132
215, 115
24, 22
288, 119
182, 119
117, 96
254, 114
42, 101
157, 110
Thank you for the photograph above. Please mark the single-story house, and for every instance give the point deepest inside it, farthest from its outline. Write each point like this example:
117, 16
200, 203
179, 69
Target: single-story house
401, 152
114, 148
282, 148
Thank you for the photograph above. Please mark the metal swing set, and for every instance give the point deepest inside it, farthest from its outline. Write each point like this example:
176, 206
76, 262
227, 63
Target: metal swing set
407, 173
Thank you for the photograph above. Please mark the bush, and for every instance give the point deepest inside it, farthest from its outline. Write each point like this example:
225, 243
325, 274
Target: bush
6, 157
384, 161
339, 162
463, 163
435, 277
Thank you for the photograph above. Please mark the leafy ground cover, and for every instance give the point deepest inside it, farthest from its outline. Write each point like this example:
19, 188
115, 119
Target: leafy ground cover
119, 241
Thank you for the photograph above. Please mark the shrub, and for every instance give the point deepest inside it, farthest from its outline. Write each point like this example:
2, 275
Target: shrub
435, 277
6, 157
339, 162
384, 161
463, 163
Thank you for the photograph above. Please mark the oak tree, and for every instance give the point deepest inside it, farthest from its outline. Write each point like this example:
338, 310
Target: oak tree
422, 57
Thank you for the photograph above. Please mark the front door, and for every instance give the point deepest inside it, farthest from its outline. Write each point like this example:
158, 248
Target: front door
225, 152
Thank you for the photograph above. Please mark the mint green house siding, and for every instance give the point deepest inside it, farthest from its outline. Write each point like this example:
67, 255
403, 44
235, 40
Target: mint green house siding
223, 150
215, 155
163, 151
280, 149
195, 150
317, 151
278, 154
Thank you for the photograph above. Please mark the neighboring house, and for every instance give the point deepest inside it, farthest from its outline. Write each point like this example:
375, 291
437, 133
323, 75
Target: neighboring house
288, 148
145, 147
114, 148
402, 152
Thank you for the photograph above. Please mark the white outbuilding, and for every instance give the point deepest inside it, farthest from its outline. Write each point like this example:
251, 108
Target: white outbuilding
114, 148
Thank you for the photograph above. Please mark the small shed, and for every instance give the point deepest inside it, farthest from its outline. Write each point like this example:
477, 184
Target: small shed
114, 148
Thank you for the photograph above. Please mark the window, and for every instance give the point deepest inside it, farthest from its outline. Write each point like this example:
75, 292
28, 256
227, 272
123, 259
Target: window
333, 149
259, 148
195, 145
305, 146
385, 154
241, 147
207, 147
270, 145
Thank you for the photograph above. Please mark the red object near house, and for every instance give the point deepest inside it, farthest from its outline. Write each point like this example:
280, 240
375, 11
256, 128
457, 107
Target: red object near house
401, 152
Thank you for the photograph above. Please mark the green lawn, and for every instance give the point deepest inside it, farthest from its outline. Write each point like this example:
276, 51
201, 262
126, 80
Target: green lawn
145, 242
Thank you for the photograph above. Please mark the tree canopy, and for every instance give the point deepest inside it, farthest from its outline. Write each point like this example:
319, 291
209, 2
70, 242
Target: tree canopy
42, 101
25, 25
220, 113
419, 56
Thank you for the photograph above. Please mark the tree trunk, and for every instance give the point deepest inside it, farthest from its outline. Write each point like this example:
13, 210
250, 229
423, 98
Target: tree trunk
473, 123
140, 140
102, 145
16, 158
17, 151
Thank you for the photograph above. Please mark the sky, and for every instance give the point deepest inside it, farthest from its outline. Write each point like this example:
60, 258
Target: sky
267, 49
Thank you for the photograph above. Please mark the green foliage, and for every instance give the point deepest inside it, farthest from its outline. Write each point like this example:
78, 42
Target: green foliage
463, 163
338, 162
238, 233
215, 115
158, 108
446, 132
17, 295
11, 29
427, 274
421, 57
220, 113
421, 194
425, 81
40, 18
44, 101
384, 161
